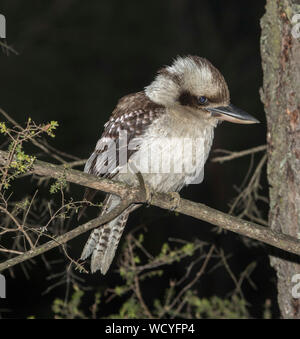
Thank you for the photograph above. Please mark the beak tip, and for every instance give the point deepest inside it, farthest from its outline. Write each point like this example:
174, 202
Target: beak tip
233, 114
252, 122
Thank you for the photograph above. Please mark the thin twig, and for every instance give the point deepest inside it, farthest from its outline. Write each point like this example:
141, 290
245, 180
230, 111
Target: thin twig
137, 288
8, 48
188, 286
67, 236
35, 142
234, 155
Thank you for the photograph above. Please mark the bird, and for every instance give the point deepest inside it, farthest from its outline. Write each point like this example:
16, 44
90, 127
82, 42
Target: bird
184, 102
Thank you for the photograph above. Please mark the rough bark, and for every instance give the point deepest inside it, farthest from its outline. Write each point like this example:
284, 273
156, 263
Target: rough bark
280, 51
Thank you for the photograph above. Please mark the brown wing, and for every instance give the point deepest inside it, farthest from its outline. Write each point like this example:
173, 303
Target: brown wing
133, 114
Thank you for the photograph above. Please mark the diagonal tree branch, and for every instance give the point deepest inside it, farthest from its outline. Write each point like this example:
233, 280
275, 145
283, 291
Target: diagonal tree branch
131, 195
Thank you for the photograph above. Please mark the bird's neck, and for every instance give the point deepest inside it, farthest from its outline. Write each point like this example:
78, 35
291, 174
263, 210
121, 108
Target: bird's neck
162, 91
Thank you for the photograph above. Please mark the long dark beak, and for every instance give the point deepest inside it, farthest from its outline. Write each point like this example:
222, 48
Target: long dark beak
232, 114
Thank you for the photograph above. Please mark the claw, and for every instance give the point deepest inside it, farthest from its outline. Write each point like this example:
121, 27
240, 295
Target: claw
176, 200
147, 190
149, 195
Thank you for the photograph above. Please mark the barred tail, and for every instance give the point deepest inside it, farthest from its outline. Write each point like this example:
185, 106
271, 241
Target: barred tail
103, 241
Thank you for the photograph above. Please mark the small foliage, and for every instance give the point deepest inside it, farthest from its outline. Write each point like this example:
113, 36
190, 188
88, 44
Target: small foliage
59, 185
50, 128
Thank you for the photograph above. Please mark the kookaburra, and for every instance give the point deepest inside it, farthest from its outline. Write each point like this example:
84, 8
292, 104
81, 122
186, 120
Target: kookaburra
184, 102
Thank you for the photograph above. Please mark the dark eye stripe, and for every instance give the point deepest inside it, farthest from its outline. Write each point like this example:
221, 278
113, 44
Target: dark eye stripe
187, 99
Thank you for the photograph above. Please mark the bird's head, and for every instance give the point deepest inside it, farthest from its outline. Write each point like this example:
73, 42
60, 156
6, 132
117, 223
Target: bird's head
194, 84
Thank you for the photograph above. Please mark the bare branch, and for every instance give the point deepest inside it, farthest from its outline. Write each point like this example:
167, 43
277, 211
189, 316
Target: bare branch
131, 195
234, 155
8, 48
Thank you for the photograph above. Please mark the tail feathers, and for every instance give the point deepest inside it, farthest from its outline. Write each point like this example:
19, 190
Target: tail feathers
106, 247
103, 241
98, 232
91, 243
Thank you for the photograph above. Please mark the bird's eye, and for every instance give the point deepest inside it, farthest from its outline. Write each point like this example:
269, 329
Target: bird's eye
202, 100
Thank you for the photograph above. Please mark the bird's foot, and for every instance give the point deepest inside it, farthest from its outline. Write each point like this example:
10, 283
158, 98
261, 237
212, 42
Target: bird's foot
175, 200
148, 193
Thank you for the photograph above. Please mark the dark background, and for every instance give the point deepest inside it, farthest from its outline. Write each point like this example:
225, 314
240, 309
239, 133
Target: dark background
76, 59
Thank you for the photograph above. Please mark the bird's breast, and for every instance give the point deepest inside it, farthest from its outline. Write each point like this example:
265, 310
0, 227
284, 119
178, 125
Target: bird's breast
171, 154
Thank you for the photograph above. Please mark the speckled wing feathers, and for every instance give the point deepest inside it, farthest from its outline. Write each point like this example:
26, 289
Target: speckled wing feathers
133, 114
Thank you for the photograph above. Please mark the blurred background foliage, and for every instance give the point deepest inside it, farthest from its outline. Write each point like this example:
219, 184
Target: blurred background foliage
76, 59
